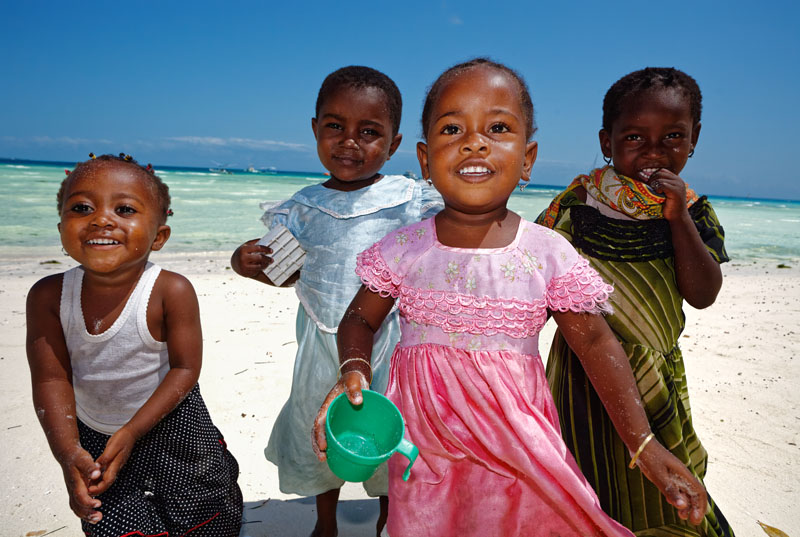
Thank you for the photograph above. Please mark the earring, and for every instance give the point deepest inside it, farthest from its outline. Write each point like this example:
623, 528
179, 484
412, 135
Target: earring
607, 159
522, 186
691, 153
63, 251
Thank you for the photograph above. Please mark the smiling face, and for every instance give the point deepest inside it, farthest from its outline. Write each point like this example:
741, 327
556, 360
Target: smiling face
477, 148
110, 218
654, 130
354, 135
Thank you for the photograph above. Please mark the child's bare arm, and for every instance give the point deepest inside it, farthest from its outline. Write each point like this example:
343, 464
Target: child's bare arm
180, 327
609, 371
250, 260
361, 320
53, 396
698, 273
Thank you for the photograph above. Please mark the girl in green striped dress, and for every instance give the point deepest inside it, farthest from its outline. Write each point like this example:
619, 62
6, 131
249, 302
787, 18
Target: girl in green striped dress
645, 231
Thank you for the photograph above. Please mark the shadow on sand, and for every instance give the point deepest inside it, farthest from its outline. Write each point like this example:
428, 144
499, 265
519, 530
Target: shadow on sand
296, 518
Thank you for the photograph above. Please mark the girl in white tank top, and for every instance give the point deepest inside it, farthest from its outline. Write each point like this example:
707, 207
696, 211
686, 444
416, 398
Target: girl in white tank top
115, 349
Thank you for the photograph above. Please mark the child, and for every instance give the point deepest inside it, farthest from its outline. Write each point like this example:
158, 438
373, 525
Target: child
356, 127
474, 285
114, 348
647, 233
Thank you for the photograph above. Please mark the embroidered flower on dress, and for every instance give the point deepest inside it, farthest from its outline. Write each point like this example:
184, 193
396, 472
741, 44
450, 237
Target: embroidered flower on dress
454, 337
530, 263
401, 238
508, 270
396, 259
420, 232
471, 285
474, 344
451, 271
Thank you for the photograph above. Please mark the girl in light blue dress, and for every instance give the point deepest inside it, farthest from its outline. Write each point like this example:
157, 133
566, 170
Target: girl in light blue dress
356, 128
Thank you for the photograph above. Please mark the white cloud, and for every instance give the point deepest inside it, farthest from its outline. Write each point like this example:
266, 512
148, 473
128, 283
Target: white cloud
248, 143
68, 140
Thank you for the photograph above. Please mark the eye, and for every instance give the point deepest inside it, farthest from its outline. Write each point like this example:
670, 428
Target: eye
333, 125
126, 210
451, 129
81, 208
674, 135
499, 128
370, 132
633, 138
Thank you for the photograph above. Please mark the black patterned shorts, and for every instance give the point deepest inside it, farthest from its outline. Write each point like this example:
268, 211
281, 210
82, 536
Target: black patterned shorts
180, 479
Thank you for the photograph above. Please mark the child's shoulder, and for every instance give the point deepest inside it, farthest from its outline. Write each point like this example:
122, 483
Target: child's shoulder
49, 286
533, 232
172, 285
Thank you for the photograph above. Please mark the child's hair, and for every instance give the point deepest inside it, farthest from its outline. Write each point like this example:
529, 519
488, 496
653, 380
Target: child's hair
436, 88
651, 78
160, 189
358, 77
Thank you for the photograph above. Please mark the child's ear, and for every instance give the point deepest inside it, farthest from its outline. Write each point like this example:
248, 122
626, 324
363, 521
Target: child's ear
314, 126
605, 143
395, 144
161, 238
695, 135
422, 156
531, 150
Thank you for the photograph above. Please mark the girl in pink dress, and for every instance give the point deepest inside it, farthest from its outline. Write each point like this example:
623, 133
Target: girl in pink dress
474, 286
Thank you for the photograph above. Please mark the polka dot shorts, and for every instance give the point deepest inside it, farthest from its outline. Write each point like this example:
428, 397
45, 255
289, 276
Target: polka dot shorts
180, 479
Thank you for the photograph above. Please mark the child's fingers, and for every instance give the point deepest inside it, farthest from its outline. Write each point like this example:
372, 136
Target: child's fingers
354, 382
319, 439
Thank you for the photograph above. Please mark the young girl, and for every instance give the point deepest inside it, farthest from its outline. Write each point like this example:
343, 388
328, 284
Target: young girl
114, 347
356, 127
474, 286
647, 233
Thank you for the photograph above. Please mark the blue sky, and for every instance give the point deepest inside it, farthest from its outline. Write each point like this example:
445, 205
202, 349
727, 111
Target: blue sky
211, 83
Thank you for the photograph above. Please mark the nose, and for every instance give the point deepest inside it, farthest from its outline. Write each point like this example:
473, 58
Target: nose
101, 218
654, 148
474, 143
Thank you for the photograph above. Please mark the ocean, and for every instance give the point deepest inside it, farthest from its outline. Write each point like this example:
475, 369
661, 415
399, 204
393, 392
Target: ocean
217, 211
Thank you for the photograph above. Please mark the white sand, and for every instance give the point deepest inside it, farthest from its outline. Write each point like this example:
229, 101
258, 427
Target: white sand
742, 359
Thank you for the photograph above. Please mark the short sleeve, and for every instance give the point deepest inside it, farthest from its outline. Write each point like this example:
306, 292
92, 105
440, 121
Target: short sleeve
276, 213
375, 273
709, 228
574, 285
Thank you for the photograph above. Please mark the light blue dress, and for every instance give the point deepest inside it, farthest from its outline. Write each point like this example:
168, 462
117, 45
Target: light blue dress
333, 227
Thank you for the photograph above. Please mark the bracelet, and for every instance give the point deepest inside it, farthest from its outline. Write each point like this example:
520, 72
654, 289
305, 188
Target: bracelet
635, 457
356, 360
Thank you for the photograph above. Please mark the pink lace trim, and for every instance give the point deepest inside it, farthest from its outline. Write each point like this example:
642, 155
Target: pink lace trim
580, 290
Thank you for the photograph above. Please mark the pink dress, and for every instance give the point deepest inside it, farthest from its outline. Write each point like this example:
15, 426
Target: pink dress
469, 381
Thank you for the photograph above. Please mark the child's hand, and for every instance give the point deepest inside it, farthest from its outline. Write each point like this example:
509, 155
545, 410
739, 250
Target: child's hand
673, 188
681, 489
79, 471
113, 458
250, 259
351, 383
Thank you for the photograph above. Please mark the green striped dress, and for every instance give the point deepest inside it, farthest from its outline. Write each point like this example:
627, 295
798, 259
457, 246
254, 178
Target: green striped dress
637, 258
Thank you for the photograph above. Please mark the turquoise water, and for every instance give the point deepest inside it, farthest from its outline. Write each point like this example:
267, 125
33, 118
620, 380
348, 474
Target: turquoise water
217, 212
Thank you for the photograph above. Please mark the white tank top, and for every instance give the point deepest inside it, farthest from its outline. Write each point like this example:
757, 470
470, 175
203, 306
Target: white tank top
115, 372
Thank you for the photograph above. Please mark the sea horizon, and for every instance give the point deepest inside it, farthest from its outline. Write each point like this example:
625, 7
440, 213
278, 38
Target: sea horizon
216, 210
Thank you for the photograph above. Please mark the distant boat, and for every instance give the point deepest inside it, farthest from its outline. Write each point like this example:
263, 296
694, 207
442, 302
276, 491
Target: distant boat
220, 170
410, 174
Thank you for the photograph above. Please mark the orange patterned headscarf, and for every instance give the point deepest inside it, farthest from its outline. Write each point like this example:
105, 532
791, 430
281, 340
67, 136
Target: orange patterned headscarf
623, 194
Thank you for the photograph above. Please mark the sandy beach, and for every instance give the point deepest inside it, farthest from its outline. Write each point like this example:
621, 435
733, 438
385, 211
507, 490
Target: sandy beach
742, 361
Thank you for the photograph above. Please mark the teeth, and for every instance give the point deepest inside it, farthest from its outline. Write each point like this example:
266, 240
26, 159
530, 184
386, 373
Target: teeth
647, 172
102, 241
473, 170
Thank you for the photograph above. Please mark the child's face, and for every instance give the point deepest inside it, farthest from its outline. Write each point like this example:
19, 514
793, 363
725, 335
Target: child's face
110, 218
655, 130
477, 148
354, 133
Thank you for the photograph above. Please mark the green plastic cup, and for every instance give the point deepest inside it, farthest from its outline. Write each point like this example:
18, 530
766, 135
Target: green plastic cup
361, 438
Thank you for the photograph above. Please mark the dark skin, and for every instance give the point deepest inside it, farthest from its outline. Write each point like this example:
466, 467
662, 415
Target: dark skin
650, 142
111, 202
476, 151
355, 137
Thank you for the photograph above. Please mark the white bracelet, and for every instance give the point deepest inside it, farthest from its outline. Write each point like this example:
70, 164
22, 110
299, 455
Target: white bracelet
356, 360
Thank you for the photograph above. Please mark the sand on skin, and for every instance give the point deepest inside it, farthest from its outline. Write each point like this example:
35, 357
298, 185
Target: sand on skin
742, 361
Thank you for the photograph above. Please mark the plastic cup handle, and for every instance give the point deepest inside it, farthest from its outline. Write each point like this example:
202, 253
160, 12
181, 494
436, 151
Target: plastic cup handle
410, 451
